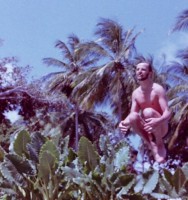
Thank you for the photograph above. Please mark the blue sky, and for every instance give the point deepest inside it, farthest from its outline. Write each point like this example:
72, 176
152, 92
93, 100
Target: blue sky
29, 28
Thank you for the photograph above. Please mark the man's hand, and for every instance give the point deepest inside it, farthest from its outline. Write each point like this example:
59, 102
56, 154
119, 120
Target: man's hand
151, 124
124, 126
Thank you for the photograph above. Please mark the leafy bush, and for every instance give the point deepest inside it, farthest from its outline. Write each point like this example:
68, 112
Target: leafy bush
40, 167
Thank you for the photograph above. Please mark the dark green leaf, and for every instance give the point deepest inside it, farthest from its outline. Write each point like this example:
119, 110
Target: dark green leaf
179, 179
50, 147
10, 172
87, 154
21, 164
23, 138
37, 140
151, 183
47, 166
168, 176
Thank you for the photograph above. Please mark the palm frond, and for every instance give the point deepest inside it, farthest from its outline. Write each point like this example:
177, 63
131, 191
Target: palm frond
88, 62
55, 62
183, 55
93, 49
65, 50
181, 22
73, 41
110, 33
129, 41
180, 90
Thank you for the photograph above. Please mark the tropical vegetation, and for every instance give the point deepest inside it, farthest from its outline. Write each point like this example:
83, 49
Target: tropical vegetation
64, 146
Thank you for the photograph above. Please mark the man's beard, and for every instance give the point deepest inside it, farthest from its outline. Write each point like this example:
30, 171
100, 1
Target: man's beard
144, 78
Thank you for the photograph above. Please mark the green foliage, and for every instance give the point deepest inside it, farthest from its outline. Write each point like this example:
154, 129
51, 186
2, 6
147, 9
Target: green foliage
174, 185
46, 168
48, 161
151, 183
87, 154
20, 143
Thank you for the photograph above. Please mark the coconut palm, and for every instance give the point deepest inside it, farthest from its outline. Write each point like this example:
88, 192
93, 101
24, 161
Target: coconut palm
176, 77
176, 73
114, 80
73, 63
178, 96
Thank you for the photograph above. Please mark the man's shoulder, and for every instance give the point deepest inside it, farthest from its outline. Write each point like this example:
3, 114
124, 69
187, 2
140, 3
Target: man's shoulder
158, 88
136, 91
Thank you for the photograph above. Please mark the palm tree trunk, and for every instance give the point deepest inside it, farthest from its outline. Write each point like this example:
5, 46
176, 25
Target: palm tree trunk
119, 104
119, 95
76, 126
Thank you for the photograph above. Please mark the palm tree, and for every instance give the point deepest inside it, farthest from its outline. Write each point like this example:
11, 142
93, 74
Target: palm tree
176, 74
91, 125
114, 80
178, 96
73, 62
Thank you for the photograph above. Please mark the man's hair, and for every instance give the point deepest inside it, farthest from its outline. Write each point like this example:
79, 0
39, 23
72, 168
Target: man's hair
150, 67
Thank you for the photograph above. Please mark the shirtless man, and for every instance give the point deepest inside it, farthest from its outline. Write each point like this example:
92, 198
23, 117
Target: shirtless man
149, 113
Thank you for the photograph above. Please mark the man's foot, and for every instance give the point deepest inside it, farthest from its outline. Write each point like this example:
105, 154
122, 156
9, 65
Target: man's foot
159, 152
159, 158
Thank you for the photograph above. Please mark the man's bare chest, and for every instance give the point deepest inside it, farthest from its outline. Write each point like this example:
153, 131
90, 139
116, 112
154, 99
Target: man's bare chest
145, 100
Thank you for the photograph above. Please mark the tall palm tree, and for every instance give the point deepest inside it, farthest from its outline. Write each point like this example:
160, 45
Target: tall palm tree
178, 96
114, 80
73, 62
176, 73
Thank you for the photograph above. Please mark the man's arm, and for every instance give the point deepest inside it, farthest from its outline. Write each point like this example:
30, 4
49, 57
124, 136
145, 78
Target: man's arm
164, 105
165, 116
125, 124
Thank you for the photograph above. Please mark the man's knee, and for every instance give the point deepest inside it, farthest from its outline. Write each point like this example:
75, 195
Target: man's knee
150, 112
133, 117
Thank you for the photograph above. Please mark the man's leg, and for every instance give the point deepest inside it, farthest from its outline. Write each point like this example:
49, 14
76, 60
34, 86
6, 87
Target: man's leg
137, 124
157, 145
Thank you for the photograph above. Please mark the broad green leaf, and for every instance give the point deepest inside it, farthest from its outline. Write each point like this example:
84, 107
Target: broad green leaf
87, 154
49, 146
179, 179
47, 166
185, 169
164, 185
139, 184
125, 189
10, 172
23, 138
37, 140
151, 183
168, 177
124, 180
21, 164
121, 157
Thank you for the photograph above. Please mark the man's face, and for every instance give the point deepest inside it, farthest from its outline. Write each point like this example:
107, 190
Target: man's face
142, 71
